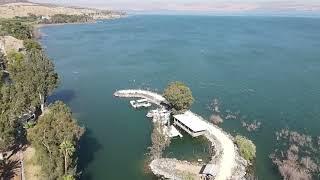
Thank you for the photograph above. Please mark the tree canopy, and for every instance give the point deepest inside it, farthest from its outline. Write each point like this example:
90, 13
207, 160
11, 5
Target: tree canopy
16, 29
26, 79
54, 137
30, 44
64, 18
179, 95
33, 76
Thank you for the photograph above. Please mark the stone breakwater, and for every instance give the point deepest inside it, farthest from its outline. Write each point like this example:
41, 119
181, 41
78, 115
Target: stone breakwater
227, 159
138, 93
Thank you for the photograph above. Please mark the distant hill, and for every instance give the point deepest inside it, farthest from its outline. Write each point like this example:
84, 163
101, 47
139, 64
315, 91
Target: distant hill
23, 8
13, 1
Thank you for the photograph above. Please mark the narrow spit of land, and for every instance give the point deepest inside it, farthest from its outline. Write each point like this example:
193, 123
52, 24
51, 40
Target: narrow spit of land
227, 155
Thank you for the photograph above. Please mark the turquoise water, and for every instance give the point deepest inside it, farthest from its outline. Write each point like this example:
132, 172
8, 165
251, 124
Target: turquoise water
267, 68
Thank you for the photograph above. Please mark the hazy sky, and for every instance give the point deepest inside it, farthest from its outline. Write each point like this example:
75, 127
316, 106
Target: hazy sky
198, 5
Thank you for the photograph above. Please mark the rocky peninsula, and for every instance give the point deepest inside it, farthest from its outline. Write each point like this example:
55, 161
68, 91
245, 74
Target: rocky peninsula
227, 160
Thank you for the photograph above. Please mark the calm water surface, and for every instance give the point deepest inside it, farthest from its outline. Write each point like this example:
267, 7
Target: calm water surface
267, 68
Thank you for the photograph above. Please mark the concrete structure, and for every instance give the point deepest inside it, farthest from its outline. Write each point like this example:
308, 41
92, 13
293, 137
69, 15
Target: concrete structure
144, 94
208, 171
173, 132
191, 123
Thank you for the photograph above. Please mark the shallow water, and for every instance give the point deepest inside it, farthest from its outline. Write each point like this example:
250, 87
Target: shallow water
267, 68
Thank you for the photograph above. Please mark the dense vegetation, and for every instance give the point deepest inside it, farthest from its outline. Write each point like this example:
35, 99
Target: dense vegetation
27, 78
63, 18
30, 44
246, 147
179, 95
55, 138
16, 28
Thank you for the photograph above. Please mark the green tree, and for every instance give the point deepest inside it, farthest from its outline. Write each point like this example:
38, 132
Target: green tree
68, 177
179, 95
63, 18
54, 128
16, 29
30, 44
45, 77
246, 147
67, 148
7, 133
8, 122
34, 77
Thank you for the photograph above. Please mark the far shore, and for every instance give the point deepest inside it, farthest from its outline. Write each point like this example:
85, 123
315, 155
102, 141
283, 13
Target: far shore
36, 28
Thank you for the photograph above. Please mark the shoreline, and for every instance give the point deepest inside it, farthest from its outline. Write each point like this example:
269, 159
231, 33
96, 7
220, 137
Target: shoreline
37, 27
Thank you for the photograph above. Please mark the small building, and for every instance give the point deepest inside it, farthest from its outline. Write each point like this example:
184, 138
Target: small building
45, 17
191, 123
209, 171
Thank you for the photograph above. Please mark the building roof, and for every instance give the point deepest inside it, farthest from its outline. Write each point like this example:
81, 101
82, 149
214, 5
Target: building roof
210, 169
192, 121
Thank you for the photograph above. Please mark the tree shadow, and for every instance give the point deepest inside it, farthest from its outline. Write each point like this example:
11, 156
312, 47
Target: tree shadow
8, 167
65, 95
88, 147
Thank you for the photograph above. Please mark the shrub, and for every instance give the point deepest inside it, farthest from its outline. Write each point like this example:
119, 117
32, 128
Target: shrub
30, 44
246, 147
16, 29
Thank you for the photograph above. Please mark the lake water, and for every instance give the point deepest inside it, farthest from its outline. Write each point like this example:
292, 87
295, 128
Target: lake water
266, 68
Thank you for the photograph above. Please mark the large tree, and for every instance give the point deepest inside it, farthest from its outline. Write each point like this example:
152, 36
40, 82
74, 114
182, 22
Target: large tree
67, 148
8, 111
52, 138
33, 76
46, 79
179, 95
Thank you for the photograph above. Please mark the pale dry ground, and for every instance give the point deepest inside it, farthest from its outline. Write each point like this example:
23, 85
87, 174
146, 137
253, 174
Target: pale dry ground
31, 169
191, 169
9, 43
227, 161
24, 9
175, 169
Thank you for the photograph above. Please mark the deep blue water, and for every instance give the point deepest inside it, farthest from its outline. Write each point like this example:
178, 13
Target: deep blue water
267, 68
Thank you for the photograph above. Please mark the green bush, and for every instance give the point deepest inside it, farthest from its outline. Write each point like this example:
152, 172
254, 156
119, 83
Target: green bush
246, 147
63, 18
15, 28
30, 44
179, 95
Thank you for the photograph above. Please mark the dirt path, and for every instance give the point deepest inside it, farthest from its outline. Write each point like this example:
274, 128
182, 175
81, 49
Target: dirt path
228, 152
